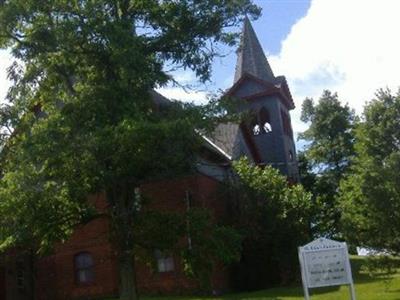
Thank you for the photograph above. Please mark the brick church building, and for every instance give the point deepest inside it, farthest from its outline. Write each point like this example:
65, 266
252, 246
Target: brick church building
85, 267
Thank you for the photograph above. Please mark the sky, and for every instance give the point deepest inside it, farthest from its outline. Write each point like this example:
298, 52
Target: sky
347, 46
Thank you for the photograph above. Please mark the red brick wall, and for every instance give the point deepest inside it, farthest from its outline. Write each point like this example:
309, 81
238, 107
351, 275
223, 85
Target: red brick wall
170, 195
57, 271
17, 275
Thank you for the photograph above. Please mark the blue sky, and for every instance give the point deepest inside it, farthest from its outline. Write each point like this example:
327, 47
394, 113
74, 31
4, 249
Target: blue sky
278, 17
273, 26
275, 23
348, 46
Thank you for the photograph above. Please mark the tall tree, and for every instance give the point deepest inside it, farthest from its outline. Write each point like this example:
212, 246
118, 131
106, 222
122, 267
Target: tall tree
328, 153
82, 111
274, 217
370, 195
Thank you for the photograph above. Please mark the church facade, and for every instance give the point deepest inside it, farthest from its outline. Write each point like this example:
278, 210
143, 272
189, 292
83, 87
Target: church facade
85, 267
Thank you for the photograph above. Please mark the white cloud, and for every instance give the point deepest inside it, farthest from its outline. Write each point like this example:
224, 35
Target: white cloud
5, 61
188, 89
178, 93
348, 46
184, 77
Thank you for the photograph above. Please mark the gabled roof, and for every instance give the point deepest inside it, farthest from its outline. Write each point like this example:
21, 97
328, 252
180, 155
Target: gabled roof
158, 99
250, 56
278, 87
226, 136
222, 140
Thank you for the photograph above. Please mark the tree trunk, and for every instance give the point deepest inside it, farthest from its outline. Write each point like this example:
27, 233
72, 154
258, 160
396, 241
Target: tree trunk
127, 289
122, 200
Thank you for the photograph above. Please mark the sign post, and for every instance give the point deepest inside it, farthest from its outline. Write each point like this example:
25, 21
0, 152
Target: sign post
325, 262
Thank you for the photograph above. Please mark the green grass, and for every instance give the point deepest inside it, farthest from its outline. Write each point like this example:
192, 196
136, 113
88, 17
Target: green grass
368, 287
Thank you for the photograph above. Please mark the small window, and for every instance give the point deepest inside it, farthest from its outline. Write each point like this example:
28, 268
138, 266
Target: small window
20, 272
253, 125
265, 120
267, 127
165, 263
256, 129
84, 268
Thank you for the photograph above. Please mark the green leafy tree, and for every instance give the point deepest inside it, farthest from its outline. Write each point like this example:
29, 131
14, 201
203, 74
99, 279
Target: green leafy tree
370, 194
307, 177
274, 218
209, 246
82, 113
327, 156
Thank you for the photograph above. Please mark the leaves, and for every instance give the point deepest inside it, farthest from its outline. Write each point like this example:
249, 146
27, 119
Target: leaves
327, 156
274, 217
82, 115
210, 244
370, 195
200, 241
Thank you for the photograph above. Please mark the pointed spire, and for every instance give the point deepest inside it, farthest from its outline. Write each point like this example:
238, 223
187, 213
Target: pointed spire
250, 56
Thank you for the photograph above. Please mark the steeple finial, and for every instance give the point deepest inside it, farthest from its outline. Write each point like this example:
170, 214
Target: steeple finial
250, 56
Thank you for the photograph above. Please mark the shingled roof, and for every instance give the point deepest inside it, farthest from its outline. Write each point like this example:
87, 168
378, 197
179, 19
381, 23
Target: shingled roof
250, 56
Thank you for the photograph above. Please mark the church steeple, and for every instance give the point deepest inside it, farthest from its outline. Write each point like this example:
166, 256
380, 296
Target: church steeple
250, 56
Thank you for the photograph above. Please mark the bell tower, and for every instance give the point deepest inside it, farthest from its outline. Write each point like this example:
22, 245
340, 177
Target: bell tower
267, 99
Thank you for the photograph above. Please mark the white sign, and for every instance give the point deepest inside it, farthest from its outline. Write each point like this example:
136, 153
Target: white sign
325, 262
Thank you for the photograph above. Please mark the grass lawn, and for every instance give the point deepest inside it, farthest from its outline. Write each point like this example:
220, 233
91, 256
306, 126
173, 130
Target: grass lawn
375, 287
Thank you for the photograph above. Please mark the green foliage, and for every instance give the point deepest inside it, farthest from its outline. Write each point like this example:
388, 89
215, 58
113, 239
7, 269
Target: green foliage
210, 245
200, 242
307, 177
380, 265
330, 133
159, 230
55, 166
82, 116
81, 106
326, 158
274, 217
370, 195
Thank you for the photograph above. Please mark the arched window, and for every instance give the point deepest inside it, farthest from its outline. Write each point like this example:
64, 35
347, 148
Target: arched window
265, 120
84, 268
287, 128
254, 127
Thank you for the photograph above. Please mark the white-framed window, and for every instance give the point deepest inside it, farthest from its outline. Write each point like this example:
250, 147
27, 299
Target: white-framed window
165, 262
84, 268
